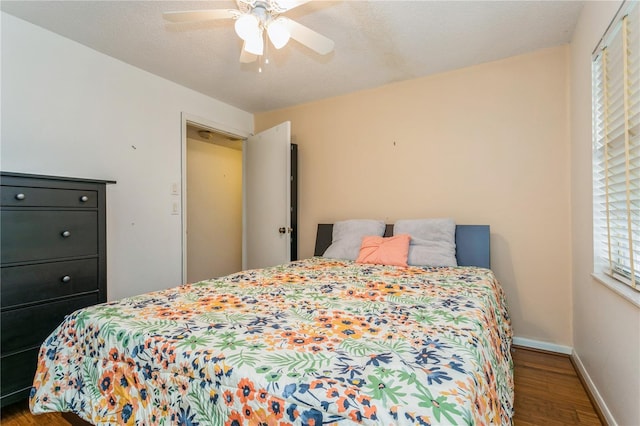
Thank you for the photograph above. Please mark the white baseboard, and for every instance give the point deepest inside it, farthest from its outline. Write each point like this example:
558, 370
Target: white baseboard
545, 346
594, 391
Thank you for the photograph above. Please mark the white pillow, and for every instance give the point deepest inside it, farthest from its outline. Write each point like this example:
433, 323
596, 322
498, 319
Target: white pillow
347, 237
433, 241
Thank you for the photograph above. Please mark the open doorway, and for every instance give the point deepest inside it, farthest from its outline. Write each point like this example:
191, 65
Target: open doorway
219, 230
213, 201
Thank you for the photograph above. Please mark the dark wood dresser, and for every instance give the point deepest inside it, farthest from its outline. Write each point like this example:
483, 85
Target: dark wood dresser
53, 261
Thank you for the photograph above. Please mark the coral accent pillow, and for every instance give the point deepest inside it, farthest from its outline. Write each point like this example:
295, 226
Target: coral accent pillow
385, 251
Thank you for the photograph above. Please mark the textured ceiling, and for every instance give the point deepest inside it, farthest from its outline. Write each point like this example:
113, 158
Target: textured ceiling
376, 42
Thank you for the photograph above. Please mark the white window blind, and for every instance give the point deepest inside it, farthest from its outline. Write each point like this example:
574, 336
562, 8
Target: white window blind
616, 148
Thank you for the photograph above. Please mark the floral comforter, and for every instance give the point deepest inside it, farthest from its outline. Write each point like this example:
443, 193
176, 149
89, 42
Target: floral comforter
312, 342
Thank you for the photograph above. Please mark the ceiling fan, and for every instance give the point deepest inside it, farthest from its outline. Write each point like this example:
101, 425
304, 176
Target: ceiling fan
253, 18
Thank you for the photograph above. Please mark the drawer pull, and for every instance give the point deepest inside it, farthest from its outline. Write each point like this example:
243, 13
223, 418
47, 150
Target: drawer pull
84, 198
20, 196
66, 234
66, 279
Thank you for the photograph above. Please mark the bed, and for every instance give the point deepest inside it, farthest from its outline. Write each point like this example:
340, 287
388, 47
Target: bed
316, 341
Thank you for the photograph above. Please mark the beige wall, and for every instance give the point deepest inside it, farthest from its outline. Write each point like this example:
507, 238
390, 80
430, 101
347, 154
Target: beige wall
214, 210
485, 145
606, 326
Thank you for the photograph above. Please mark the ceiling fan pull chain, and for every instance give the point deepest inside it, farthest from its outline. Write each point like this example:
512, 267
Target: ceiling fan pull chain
266, 51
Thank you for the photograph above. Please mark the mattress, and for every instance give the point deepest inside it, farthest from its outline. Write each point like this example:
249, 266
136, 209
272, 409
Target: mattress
316, 341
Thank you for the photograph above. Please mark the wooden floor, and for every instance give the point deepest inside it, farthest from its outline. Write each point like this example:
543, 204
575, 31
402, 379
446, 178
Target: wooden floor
549, 392
547, 388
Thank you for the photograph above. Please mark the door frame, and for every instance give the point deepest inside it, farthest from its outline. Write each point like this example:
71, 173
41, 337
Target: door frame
214, 126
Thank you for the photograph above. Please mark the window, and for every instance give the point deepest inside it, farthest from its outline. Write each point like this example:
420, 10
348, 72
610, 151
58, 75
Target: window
616, 148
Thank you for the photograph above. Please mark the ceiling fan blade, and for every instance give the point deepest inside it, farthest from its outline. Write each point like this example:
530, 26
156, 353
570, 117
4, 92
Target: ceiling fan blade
246, 57
313, 40
200, 15
284, 5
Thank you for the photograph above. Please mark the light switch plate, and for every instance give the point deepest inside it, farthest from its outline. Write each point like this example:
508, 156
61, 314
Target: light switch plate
175, 208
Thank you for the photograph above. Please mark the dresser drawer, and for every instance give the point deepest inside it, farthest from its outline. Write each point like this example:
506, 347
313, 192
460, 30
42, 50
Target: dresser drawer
28, 327
33, 283
24, 196
39, 235
18, 371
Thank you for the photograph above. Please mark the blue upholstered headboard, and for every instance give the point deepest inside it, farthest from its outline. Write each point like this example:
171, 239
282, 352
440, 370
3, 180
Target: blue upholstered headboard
472, 243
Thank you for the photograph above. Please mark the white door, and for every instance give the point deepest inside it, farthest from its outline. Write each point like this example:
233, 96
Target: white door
267, 198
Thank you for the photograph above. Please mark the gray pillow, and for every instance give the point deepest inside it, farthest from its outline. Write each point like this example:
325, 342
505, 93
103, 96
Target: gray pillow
347, 237
433, 241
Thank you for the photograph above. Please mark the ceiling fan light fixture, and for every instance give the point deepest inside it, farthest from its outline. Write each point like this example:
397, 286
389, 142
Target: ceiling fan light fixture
255, 44
254, 18
247, 26
278, 33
